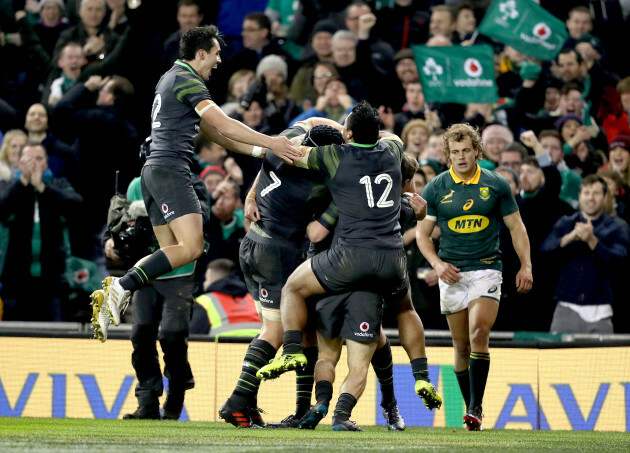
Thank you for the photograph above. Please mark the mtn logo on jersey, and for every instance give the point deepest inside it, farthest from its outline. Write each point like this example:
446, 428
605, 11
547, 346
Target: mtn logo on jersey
165, 212
468, 224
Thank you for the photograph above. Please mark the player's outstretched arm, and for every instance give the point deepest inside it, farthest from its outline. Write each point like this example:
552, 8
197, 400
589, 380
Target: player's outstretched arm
520, 240
317, 121
237, 131
217, 137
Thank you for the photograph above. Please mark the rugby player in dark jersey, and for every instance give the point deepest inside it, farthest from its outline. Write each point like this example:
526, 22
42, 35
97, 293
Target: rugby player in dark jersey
369, 254
286, 198
181, 103
468, 203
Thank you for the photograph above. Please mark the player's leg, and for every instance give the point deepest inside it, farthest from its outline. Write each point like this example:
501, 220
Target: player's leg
482, 314
144, 357
329, 353
359, 355
458, 325
301, 284
411, 333
171, 204
305, 376
178, 299
383, 365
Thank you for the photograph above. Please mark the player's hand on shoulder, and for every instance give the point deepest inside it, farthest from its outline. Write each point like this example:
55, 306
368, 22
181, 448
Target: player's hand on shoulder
285, 149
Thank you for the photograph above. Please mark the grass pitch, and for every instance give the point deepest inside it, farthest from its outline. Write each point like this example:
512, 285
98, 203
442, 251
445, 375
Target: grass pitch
73, 435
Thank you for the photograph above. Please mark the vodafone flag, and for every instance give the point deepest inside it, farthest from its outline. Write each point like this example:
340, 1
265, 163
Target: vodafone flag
457, 74
526, 26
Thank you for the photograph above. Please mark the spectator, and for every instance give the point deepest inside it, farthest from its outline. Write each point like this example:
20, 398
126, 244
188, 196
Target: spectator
61, 157
495, 137
443, 22
189, 16
118, 21
319, 77
618, 121
431, 168
578, 23
335, 103
465, 21
321, 42
405, 23
237, 87
226, 308
51, 23
226, 228
619, 193
13, 141
589, 247
619, 156
33, 207
512, 156
212, 177
511, 176
433, 149
415, 135
92, 32
352, 74
71, 62
104, 142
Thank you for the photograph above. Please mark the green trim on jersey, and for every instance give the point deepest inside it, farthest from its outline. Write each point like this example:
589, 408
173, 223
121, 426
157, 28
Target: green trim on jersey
362, 145
187, 83
187, 66
469, 218
192, 90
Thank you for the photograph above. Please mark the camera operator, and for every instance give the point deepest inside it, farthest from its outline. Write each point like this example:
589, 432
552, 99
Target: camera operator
161, 311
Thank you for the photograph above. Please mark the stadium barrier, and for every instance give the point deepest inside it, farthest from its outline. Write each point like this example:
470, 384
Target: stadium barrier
540, 386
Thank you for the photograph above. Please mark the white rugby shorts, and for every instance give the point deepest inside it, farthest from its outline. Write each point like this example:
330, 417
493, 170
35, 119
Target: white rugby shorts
472, 285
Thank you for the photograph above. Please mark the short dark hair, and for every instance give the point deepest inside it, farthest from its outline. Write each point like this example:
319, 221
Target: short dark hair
594, 179
261, 19
203, 37
364, 122
322, 135
570, 86
409, 166
514, 147
200, 142
32, 144
550, 133
122, 90
568, 50
222, 266
579, 9
181, 3
531, 160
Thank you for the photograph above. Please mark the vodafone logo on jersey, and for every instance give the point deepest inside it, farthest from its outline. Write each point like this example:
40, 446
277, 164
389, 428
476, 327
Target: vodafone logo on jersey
264, 292
542, 31
165, 212
364, 326
473, 67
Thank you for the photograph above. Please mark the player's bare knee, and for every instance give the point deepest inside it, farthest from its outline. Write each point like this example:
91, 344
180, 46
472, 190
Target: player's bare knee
462, 348
480, 336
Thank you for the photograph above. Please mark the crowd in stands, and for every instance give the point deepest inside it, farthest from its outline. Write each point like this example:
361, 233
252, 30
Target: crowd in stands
77, 83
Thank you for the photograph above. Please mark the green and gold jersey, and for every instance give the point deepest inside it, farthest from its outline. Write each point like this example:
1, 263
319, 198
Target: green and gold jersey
468, 214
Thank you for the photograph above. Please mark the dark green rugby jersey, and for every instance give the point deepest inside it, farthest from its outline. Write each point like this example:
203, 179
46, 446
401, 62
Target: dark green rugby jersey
174, 120
365, 182
468, 216
288, 196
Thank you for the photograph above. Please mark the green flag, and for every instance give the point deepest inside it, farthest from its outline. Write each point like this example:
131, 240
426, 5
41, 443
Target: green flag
457, 74
526, 26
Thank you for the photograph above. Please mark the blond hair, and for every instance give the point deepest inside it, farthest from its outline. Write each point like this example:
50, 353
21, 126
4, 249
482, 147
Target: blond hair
412, 125
457, 133
6, 142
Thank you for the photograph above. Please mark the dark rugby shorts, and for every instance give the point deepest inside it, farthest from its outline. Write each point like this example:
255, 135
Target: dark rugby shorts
342, 269
168, 193
267, 264
354, 316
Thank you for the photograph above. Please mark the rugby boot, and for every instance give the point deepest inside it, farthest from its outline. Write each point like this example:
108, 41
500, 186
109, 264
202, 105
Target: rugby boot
173, 405
100, 315
117, 298
150, 412
395, 421
237, 417
472, 420
256, 417
280, 365
288, 422
426, 391
313, 417
344, 425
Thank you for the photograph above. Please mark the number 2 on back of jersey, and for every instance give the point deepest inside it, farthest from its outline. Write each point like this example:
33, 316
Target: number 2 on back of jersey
383, 202
157, 105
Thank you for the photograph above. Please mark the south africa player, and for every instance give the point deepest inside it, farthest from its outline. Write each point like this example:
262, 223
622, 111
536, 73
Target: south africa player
468, 203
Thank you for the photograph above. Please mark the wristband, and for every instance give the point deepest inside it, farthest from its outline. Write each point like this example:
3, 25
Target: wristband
251, 195
257, 151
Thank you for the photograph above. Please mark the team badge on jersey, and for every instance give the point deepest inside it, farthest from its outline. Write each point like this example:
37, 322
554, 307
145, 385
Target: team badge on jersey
448, 198
484, 193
